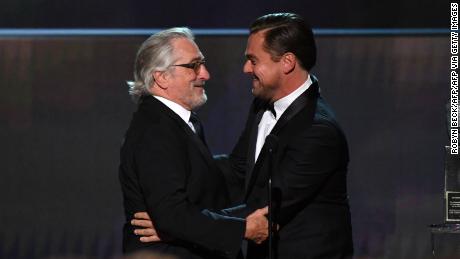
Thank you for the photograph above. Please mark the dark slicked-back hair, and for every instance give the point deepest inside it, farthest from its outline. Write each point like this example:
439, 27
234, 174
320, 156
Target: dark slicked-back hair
287, 32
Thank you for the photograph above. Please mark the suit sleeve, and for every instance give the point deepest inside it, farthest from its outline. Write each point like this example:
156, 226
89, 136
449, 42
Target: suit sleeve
162, 166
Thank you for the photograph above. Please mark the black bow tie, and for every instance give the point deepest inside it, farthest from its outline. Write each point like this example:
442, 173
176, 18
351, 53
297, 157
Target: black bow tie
271, 107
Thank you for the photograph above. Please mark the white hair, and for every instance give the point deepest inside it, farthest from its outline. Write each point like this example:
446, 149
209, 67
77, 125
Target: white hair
155, 54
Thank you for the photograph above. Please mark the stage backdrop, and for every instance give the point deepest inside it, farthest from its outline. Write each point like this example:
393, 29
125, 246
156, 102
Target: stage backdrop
220, 14
64, 108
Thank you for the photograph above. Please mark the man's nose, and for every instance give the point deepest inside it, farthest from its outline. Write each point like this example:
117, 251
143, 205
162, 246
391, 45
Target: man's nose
247, 68
204, 73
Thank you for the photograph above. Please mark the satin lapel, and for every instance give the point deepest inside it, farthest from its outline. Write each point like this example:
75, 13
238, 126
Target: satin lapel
204, 151
200, 145
306, 100
252, 146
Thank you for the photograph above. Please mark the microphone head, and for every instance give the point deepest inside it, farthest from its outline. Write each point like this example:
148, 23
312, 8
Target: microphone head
271, 141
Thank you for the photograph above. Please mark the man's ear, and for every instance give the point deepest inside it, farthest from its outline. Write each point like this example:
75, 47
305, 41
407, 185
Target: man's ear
289, 62
161, 79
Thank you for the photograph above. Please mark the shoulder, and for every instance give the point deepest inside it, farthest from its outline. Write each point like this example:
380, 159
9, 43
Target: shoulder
323, 125
152, 126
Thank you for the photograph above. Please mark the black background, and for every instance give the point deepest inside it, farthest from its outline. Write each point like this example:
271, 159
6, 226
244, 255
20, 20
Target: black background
219, 14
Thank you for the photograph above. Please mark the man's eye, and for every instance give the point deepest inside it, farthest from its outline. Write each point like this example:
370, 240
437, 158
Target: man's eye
197, 64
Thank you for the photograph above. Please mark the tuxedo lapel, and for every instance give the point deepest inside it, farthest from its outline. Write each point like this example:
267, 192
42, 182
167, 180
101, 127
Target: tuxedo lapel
204, 151
306, 100
252, 145
159, 107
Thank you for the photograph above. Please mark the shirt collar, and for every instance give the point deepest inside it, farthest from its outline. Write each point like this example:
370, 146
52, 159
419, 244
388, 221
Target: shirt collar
282, 104
176, 108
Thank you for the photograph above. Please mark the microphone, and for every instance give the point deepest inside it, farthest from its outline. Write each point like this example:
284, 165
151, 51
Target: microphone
271, 142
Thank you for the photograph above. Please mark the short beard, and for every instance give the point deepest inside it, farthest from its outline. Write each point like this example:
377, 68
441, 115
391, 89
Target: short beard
263, 94
199, 101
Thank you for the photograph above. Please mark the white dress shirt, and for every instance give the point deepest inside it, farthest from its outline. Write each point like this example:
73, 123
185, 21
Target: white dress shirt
268, 121
178, 109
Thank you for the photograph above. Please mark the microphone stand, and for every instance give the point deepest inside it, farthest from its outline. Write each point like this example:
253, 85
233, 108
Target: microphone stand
272, 142
270, 219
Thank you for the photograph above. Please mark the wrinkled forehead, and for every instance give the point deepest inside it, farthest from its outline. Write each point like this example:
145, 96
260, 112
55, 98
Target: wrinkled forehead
185, 49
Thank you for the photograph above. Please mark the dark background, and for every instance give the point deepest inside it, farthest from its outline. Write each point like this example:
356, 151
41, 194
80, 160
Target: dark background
64, 109
220, 14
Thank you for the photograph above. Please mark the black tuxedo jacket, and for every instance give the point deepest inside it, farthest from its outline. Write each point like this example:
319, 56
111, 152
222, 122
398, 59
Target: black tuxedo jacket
167, 171
309, 179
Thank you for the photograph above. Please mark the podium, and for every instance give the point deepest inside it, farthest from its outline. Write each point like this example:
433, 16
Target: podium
451, 225
450, 237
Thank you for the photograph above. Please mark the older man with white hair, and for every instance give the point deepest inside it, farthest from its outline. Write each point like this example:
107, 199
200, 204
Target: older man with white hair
166, 168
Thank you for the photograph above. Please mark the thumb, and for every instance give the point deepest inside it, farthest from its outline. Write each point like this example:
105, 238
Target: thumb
264, 210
